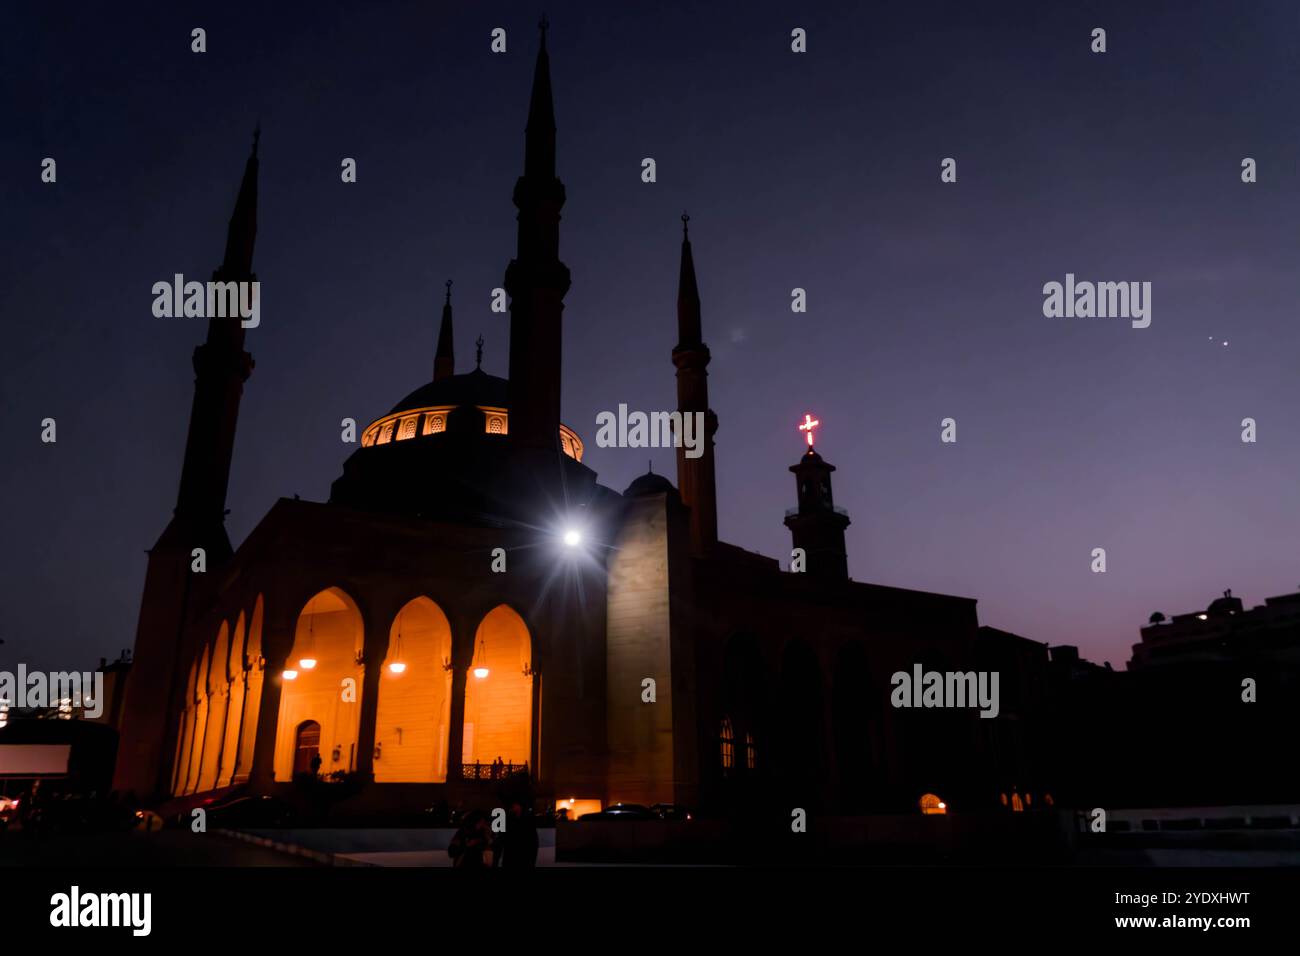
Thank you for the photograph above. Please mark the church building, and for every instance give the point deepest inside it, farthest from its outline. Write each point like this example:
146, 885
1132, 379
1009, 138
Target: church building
471, 603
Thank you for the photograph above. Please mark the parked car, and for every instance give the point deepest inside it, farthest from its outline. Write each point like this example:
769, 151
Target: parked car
261, 811
671, 811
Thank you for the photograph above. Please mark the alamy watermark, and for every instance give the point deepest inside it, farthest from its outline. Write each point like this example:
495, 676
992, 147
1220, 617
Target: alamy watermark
624, 429
133, 911
40, 690
208, 300
1102, 300
923, 688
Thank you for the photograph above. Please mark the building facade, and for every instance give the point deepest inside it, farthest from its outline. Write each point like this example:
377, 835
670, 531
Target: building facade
471, 604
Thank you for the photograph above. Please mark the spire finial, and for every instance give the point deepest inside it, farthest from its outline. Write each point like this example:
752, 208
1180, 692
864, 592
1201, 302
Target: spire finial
257, 135
444, 357
478, 359
685, 229
543, 24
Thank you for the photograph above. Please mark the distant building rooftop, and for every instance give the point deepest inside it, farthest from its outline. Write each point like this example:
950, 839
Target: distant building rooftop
1225, 630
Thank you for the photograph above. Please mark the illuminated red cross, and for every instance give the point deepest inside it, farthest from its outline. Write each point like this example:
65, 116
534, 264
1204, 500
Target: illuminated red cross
808, 424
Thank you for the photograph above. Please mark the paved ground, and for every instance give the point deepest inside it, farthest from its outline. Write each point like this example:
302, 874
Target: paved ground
436, 858
167, 848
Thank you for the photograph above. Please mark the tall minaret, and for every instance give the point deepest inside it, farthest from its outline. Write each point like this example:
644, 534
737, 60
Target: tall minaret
817, 526
444, 360
536, 279
221, 366
696, 480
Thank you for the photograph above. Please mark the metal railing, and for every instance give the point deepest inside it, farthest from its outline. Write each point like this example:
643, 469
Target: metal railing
491, 771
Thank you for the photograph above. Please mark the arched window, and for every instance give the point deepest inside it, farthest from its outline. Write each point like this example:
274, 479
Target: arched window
1017, 805
932, 805
1005, 801
306, 746
751, 753
727, 742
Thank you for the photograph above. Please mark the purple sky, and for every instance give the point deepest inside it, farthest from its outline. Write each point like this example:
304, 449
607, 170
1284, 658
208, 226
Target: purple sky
819, 171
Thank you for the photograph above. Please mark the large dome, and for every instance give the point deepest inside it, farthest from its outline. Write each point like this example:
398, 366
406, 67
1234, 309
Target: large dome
475, 388
427, 412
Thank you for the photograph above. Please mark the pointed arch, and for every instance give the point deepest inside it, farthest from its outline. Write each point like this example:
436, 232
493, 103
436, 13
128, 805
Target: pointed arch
200, 719
745, 701
218, 697
414, 714
322, 681
499, 691
235, 699
185, 736
253, 677
727, 747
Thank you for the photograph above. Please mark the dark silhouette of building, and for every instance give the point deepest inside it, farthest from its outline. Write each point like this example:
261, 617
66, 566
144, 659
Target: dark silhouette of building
470, 596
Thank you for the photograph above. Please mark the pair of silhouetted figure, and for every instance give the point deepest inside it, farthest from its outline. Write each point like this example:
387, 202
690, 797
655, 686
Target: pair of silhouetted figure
476, 847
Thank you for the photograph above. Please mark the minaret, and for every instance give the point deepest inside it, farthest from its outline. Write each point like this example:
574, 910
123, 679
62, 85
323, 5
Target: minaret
536, 280
817, 526
444, 360
221, 366
696, 481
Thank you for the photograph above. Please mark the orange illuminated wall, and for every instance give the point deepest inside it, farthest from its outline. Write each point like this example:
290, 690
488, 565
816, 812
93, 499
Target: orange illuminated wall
498, 707
577, 806
218, 698
931, 805
411, 730
329, 631
199, 723
234, 705
252, 696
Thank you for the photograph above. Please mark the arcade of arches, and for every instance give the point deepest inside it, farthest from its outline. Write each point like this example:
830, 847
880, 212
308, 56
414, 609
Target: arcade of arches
218, 724
322, 690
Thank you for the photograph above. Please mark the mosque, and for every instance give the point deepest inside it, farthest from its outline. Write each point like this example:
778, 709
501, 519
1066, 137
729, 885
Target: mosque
471, 603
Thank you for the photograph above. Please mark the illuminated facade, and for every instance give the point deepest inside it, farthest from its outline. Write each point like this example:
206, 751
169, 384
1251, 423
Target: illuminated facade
471, 603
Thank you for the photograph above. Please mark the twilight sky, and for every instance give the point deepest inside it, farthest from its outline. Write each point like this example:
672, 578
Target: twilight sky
818, 171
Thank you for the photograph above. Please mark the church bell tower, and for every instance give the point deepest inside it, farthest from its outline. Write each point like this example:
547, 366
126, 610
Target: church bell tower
817, 525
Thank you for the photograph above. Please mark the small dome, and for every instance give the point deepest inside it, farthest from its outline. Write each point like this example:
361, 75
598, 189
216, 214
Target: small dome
648, 484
